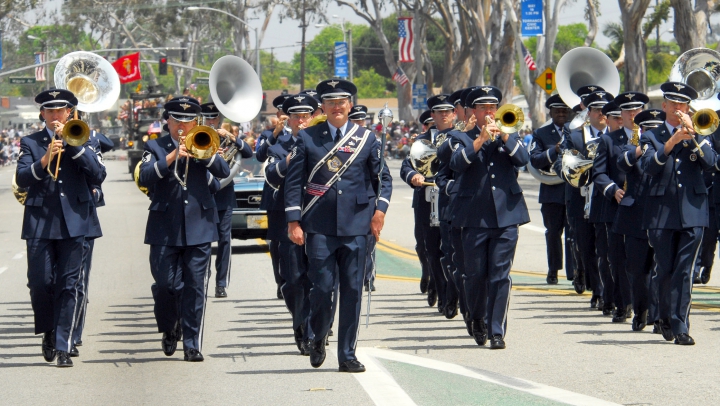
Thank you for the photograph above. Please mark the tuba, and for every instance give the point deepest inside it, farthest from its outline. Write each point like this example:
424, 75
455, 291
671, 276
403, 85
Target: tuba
580, 67
547, 177
236, 90
699, 68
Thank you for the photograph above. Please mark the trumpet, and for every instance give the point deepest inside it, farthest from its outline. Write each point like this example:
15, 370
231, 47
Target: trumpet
201, 142
75, 133
508, 119
705, 122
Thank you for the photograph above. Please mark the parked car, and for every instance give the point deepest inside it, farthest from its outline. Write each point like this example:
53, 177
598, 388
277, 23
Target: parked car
248, 221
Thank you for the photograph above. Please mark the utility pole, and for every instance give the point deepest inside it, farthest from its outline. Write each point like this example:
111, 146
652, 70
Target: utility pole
302, 49
350, 54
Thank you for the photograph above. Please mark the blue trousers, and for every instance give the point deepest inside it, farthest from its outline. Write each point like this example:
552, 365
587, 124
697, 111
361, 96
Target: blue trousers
83, 283
587, 257
296, 289
446, 249
553, 215
429, 244
223, 259
619, 277
54, 268
336, 260
181, 279
275, 260
489, 254
370, 260
675, 255
639, 265
458, 260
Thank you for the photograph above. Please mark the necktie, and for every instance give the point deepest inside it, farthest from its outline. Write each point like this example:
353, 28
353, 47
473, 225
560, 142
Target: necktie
599, 133
338, 135
674, 130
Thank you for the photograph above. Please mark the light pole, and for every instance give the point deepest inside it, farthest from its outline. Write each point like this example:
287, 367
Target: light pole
47, 57
257, 44
349, 44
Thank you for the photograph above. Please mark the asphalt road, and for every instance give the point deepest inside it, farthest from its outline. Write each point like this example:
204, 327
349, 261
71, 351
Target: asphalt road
559, 351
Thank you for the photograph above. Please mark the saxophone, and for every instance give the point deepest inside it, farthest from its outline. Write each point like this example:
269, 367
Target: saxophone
634, 140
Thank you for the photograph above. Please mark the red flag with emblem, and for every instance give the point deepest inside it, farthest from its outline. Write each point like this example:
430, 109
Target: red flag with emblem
128, 67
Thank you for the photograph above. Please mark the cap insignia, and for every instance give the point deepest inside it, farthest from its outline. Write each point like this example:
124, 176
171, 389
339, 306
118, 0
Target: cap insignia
333, 83
300, 98
185, 106
679, 87
591, 88
486, 89
54, 94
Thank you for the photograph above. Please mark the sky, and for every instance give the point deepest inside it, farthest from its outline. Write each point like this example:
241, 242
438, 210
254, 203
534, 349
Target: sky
284, 37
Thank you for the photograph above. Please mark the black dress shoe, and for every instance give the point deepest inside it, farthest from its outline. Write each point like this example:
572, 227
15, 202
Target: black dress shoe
279, 292
74, 352
552, 278
497, 342
369, 286
480, 333
666, 330
193, 355
48, 346
169, 343
330, 333
608, 309
696, 279
468, 325
579, 283
656, 328
684, 339
63, 359
628, 311
424, 285
620, 316
705, 276
431, 296
451, 309
317, 353
600, 303
640, 321
594, 302
220, 291
352, 366
299, 333
79, 343
441, 306
305, 350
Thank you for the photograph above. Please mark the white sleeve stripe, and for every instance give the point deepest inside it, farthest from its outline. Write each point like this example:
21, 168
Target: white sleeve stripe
277, 169
211, 161
82, 151
210, 179
32, 168
408, 175
705, 141
627, 161
292, 208
517, 145
157, 170
716, 166
608, 187
657, 160
465, 156
384, 200
242, 144
447, 186
547, 152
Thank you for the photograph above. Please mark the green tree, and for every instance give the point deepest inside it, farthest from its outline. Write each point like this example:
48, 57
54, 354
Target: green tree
370, 84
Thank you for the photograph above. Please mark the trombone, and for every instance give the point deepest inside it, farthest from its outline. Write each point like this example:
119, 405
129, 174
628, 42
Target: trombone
75, 133
705, 122
201, 142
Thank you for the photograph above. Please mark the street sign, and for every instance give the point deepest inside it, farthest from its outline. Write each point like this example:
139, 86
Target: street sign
546, 80
22, 81
419, 96
341, 59
531, 12
202, 81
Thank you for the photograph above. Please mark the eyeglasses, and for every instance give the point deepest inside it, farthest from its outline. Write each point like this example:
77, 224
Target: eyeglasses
335, 103
300, 116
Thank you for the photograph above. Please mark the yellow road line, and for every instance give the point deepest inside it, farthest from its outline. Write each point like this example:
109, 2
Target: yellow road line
396, 253
397, 247
262, 242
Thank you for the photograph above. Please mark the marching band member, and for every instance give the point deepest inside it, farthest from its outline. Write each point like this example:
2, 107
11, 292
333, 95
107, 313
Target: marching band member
707, 252
614, 116
628, 222
225, 202
334, 163
544, 150
293, 260
676, 206
182, 224
609, 180
267, 139
358, 115
488, 160
55, 222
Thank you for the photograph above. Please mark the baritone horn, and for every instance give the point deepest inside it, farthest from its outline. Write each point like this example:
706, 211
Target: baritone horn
236, 90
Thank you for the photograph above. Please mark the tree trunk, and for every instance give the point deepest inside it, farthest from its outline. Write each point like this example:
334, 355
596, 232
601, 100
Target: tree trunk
239, 29
690, 24
592, 23
632, 13
502, 67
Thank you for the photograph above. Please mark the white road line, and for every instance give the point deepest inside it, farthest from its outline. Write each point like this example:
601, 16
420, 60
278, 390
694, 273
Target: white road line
537, 389
18, 255
3, 269
533, 228
379, 383
407, 197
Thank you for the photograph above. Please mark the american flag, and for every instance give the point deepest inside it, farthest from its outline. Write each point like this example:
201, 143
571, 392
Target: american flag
400, 77
406, 38
40, 70
528, 58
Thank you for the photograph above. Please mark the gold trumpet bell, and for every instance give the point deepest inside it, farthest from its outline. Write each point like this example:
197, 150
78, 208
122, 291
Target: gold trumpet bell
509, 118
76, 133
202, 142
705, 121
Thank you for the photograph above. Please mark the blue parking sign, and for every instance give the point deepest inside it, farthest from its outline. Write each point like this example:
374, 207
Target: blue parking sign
341, 59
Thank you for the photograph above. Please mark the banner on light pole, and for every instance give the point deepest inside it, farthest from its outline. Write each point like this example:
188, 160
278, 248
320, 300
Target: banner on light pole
341, 59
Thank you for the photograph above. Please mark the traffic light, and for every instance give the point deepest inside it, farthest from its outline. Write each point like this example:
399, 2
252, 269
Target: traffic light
549, 85
330, 59
263, 106
162, 67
